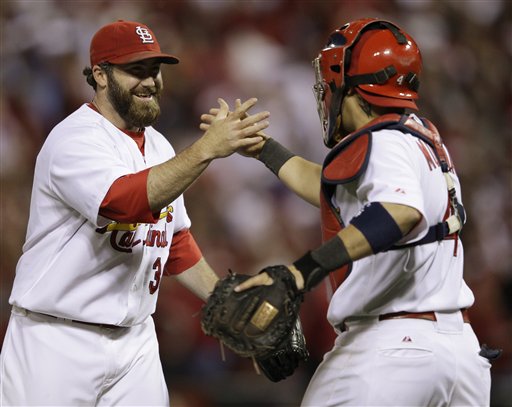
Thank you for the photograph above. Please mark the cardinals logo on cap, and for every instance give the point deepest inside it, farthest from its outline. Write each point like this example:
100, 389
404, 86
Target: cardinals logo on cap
144, 35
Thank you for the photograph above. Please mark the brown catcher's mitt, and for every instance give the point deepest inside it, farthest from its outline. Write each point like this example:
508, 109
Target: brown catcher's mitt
255, 322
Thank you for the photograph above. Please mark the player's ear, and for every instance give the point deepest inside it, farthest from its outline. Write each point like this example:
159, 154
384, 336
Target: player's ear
100, 76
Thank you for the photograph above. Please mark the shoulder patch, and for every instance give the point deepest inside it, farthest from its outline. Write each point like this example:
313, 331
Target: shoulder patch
350, 161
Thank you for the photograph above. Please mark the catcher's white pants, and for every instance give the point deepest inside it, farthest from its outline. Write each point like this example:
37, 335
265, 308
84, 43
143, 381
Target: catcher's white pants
403, 362
47, 361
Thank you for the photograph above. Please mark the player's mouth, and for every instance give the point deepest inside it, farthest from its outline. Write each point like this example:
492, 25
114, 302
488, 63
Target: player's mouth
144, 96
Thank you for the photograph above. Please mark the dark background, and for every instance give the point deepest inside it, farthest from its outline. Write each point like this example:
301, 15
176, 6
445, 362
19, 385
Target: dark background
242, 217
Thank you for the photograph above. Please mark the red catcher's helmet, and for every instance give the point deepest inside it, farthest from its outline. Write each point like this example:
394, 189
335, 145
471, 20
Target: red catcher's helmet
376, 58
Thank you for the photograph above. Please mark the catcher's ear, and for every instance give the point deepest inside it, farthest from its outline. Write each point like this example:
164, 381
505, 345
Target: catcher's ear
100, 76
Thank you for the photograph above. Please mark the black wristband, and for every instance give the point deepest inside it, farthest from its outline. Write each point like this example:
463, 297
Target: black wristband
332, 254
311, 271
274, 155
317, 264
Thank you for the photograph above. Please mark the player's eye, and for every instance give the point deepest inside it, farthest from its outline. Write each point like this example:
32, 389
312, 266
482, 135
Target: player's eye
154, 71
136, 71
143, 72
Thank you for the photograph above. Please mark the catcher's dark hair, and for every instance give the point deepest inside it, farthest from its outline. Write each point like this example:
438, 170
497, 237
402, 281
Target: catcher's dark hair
87, 72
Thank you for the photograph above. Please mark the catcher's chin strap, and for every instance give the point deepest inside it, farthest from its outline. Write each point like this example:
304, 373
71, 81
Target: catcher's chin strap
335, 122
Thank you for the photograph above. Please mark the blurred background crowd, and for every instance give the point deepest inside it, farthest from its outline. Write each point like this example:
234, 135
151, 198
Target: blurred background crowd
241, 216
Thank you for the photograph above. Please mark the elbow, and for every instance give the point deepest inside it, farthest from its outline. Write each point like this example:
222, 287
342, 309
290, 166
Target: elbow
412, 219
406, 217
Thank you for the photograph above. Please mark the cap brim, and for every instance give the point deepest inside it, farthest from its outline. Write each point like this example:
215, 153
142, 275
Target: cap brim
385, 101
139, 56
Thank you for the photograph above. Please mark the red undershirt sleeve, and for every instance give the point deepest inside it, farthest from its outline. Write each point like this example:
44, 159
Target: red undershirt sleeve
184, 253
127, 200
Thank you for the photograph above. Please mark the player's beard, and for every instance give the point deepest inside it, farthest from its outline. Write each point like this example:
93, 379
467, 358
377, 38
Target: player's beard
136, 114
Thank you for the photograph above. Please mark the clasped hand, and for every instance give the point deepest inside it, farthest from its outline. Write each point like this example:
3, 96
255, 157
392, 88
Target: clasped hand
250, 137
265, 279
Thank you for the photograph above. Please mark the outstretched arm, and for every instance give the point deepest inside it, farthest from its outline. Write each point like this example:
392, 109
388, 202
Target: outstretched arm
298, 174
302, 177
227, 133
378, 227
139, 197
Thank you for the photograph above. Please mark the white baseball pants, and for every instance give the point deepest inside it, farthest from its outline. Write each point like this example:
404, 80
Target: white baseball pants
403, 362
47, 361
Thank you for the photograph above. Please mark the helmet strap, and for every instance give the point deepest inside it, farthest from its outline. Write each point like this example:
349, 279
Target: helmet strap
379, 77
400, 37
412, 80
338, 94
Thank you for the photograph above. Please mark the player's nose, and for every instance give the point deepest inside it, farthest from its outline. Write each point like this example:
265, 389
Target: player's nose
148, 81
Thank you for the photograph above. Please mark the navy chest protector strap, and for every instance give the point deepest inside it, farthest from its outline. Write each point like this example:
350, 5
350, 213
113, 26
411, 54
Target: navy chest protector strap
349, 159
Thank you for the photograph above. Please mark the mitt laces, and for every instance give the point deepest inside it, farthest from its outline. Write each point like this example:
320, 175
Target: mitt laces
223, 357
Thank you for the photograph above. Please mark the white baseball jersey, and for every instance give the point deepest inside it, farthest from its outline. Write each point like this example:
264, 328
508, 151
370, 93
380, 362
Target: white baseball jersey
401, 170
76, 264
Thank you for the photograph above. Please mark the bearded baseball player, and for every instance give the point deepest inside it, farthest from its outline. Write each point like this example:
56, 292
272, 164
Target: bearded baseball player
392, 213
107, 222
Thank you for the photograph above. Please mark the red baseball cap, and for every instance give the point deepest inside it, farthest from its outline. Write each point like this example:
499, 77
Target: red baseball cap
123, 42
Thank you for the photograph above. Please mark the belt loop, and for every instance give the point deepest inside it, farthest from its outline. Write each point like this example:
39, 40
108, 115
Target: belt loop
19, 311
449, 321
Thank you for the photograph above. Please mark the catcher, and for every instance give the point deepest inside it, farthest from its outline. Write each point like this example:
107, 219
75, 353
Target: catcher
391, 211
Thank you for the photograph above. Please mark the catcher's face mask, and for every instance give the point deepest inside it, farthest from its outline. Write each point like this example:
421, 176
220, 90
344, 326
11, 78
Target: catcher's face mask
391, 64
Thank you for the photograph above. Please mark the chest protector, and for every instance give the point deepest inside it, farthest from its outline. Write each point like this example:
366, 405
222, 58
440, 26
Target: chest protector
349, 159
